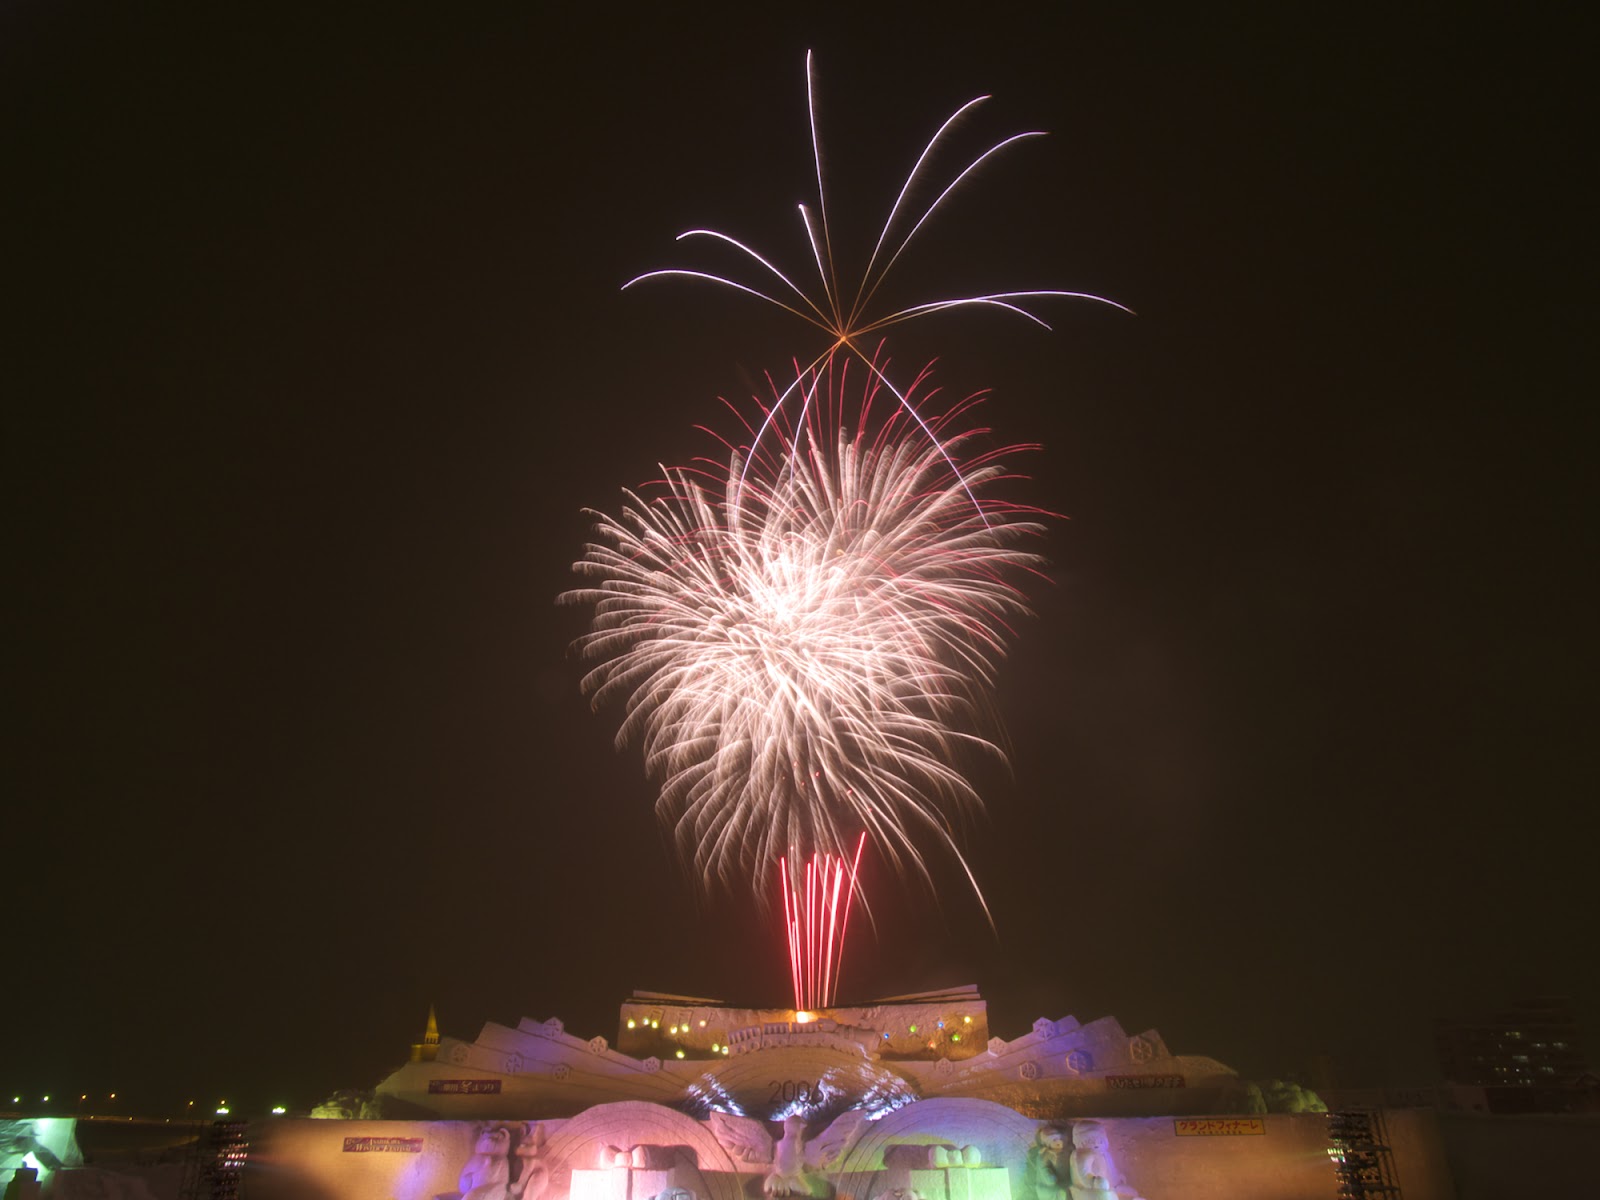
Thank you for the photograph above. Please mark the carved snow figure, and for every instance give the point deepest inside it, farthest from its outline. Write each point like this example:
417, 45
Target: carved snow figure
1045, 1177
1094, 1175
614, 1156
533, 1175
487, 1175
796, 1163
899, 1163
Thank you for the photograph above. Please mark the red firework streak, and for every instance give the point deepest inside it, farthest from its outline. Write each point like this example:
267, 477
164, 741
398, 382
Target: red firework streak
815, 922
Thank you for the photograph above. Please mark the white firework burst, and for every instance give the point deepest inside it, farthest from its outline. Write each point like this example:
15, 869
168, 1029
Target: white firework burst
804, 640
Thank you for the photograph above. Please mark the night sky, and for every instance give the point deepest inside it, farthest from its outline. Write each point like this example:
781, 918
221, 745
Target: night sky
317, 350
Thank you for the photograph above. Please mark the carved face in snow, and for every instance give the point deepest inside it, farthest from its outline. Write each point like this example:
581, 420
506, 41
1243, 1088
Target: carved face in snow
495, 1139
1088, 1135
1052, 1140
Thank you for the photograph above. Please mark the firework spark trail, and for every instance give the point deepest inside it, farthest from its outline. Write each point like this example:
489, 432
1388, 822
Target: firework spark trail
844, 325
810, 654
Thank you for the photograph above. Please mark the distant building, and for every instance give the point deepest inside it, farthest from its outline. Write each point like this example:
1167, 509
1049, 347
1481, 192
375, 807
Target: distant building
1527, 1058
428, 1048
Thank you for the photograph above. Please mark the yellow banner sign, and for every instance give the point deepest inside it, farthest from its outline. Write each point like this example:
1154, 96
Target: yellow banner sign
1218, 1126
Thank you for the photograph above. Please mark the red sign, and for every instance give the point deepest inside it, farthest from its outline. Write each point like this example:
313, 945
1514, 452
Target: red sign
382, 1145
1145, 1081
463, 1087
1218, 1126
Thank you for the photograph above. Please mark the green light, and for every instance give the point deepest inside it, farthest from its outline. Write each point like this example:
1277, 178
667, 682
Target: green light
955, 1037
913, 1029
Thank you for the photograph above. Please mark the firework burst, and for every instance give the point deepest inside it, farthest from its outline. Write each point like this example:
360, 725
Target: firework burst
803, 634
804, 638
843, 312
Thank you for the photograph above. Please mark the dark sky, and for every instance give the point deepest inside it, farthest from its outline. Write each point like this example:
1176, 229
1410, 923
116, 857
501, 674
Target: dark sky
317, 351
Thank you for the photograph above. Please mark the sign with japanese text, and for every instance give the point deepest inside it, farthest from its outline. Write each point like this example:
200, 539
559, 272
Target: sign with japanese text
382, 1145
1218, 1126
463, 1087
1117, 1082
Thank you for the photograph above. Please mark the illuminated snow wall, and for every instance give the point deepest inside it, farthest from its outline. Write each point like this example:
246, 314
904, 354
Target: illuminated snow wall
45, 1144
938, 1149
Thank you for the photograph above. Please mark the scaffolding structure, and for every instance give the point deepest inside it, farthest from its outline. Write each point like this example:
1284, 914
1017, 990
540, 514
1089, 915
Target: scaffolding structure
215, 1162
1362, 1161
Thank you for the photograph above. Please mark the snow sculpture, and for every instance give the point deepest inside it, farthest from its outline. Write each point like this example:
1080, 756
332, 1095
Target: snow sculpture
533, 1174
1093, 1174
796, 1163
1045, 1176
918, 1171
487, 1175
